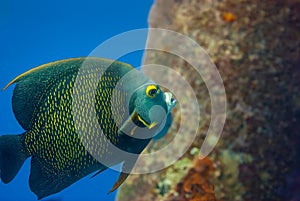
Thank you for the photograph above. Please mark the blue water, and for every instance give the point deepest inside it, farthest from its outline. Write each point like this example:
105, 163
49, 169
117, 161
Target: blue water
36, 32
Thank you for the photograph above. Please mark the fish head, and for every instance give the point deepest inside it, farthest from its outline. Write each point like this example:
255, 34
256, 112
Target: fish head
151, 105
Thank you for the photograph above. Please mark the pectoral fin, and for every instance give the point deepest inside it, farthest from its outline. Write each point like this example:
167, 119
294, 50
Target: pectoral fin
134, 120
128, 126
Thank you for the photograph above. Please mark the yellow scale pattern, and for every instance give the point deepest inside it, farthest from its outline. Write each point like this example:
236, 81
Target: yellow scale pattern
54, 137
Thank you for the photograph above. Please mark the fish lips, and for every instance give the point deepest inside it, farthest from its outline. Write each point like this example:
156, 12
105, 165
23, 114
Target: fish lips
170, 101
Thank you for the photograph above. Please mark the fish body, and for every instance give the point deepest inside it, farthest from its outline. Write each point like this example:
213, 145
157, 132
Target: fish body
58, 104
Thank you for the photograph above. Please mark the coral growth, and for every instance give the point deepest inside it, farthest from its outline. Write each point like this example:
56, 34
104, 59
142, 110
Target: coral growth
228, 17
256, 50
195, 185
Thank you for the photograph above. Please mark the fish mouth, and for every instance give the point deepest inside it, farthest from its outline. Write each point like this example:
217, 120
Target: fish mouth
171, 102
138, 120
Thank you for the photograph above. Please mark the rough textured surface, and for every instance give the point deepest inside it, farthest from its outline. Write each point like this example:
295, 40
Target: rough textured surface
195, 185
256, 46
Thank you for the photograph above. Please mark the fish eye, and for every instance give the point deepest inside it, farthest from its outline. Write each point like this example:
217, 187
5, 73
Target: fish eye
151, 91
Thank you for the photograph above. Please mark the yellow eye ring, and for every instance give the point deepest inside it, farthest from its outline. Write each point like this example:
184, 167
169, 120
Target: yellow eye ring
151, 91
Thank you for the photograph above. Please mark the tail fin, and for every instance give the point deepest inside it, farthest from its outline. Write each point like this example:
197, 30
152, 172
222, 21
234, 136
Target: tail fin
12, 156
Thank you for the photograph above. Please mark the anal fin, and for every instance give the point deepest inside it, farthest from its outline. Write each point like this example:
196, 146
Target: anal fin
41, 182
44, 182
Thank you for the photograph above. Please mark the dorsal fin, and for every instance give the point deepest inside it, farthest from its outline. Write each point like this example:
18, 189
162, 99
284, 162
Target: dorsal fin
52, 64
34, 85
36, 69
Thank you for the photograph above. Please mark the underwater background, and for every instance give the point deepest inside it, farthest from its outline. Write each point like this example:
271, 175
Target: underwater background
255, 47
37, 32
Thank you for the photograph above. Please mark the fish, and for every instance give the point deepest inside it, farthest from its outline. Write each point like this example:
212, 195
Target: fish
66, 135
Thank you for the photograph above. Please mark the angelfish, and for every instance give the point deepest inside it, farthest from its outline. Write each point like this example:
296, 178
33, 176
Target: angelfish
44, 103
